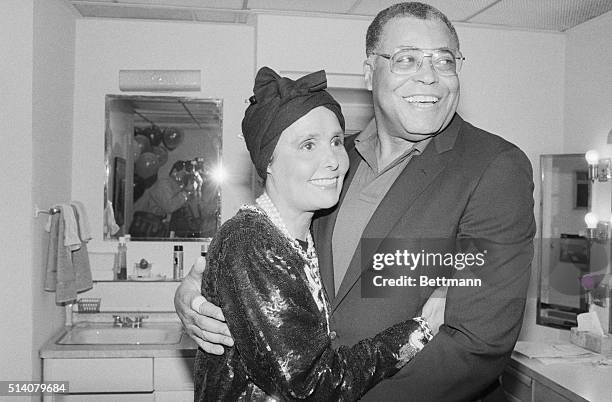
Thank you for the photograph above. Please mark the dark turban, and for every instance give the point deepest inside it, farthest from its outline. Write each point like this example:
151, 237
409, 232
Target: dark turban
278, 102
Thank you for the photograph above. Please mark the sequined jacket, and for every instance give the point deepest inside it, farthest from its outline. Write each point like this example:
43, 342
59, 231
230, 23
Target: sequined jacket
282, 343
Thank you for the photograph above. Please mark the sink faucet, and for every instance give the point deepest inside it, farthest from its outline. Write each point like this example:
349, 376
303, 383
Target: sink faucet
126, 321
118, 321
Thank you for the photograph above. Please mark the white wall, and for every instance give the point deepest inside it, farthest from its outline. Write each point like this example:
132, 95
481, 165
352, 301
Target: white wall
307, 44
16, 166
52, 102
508, 91
588, 83
225, 55
37, 63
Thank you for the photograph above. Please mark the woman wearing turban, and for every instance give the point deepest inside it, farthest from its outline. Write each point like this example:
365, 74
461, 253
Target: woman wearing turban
263, 269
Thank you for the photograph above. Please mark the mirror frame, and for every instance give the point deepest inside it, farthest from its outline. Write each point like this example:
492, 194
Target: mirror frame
116, 188
551, 314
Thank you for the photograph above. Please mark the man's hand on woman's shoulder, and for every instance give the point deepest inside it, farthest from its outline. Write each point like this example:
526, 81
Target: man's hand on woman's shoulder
203, 321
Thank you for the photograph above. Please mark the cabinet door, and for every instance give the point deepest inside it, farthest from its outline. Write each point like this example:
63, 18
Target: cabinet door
174, 396
542, 393
101, 375
105, 398
174, 374
518, 386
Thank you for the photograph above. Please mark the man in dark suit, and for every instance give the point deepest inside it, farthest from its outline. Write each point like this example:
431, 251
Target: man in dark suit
419, 171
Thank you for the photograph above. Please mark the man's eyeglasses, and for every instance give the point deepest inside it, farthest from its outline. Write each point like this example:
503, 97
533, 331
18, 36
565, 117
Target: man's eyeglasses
408, 60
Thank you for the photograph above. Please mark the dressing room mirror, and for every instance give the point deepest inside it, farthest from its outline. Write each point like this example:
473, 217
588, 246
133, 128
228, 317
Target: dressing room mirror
566, 254
163, 167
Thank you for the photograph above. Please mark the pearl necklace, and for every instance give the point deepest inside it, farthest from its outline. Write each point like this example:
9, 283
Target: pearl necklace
311, 268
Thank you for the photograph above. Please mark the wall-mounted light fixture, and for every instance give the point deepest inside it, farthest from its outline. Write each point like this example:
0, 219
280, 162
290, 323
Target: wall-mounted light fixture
596, 230
599, 169
591, 220
159, 80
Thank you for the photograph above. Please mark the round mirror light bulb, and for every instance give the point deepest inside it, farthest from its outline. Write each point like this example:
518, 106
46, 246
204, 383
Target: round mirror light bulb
592, 157
591, 220
218, 175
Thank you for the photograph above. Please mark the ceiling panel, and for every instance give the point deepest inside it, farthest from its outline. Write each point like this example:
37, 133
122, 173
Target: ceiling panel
230, 4
220, 16
104, 11
557, 15
328, 6
455, 10
233, 4
170, 112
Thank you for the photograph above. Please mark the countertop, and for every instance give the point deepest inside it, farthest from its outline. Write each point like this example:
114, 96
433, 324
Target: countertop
577, 382
51, 350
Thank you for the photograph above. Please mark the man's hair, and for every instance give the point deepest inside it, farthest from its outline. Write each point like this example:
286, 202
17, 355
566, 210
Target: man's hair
408, 9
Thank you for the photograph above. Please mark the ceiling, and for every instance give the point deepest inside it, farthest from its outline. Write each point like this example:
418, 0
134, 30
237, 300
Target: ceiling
550, 15
173, 111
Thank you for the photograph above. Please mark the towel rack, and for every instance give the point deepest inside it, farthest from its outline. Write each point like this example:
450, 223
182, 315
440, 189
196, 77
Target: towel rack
50, 211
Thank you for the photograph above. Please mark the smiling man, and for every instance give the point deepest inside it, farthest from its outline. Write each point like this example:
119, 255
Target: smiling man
418, 170
412, 72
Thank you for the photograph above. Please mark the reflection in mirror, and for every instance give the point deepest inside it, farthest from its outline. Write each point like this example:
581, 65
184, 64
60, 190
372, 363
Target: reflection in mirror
163, 167
566, 255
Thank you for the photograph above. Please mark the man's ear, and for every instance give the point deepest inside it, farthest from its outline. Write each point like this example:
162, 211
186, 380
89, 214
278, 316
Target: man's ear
368, 70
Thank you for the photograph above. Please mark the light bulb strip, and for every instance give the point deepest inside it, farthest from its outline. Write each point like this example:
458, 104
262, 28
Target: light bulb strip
599, 169
597, 230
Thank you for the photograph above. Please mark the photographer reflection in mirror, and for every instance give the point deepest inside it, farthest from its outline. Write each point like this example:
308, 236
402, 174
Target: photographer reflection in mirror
198, 216
153, 209
182, 204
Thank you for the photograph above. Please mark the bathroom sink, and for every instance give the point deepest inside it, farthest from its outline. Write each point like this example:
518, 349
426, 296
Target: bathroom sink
107, 334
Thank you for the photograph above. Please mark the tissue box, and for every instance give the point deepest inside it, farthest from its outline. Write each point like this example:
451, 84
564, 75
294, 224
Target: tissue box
590, 341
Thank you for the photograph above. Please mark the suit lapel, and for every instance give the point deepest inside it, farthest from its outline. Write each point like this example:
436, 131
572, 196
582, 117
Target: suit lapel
420, 172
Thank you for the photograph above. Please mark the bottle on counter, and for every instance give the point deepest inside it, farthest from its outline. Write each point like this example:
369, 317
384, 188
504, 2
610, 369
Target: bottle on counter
122, 259
116, 266
178, 262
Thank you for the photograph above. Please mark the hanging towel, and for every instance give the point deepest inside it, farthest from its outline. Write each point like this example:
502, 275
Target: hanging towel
80, 257
71, 227
82, 221
67, 271
110, 224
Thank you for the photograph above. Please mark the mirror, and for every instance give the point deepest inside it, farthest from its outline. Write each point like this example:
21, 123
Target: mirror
163, 167
566, 254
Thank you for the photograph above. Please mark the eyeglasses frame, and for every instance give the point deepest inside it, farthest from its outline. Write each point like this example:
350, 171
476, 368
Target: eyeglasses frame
456, 53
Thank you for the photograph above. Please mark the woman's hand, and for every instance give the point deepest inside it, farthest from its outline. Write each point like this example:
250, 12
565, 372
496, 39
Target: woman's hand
433, 310
203, 321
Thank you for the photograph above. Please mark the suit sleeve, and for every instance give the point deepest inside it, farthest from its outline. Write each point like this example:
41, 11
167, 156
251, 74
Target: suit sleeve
282, 338
482, 324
